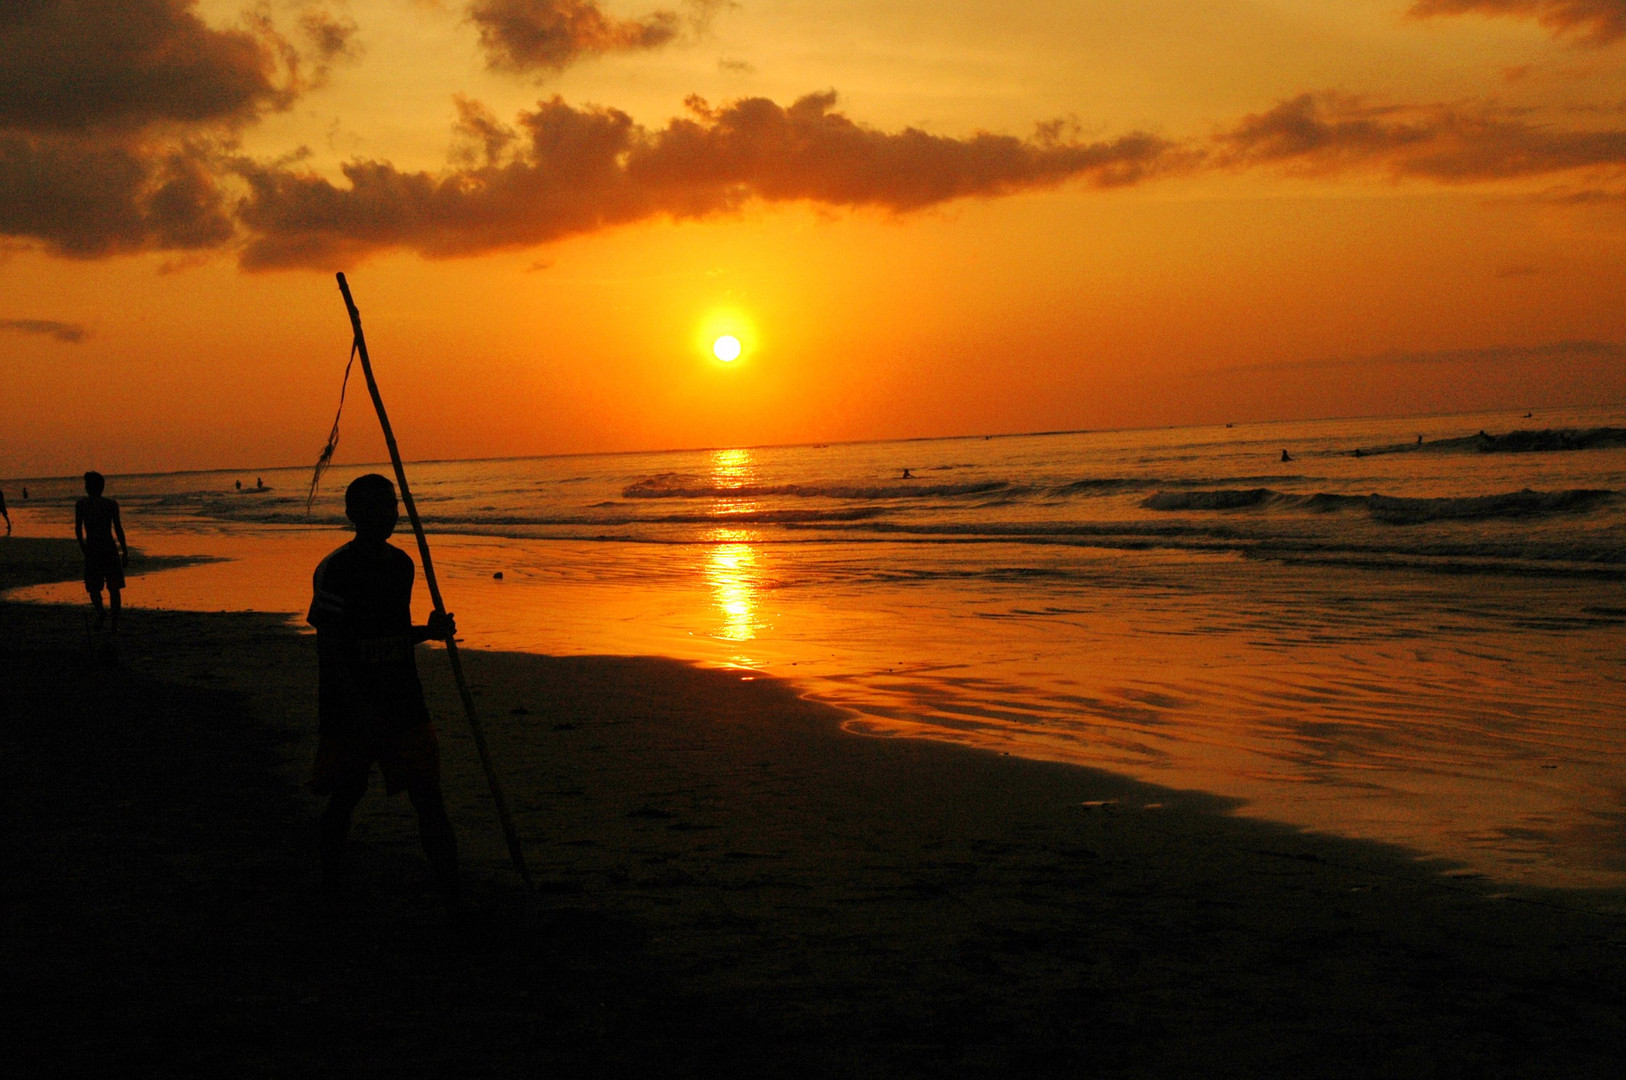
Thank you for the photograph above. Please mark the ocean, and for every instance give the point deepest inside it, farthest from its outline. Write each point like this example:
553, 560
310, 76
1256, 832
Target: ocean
1417, 642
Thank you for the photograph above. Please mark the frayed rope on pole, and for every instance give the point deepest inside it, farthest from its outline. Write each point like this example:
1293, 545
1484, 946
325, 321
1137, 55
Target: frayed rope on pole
332, 437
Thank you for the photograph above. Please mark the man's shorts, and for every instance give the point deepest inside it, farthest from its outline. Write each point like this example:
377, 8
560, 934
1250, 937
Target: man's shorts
102, 568
407, 759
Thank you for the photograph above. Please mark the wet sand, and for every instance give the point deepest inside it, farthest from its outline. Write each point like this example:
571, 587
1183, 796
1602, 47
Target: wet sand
731, 886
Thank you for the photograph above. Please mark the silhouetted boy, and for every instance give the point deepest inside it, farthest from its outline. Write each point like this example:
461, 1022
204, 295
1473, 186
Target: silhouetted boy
95, 524
370, 704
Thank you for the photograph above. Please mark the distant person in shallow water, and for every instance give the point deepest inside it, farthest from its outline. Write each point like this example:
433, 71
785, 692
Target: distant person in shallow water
4, 514
370, 703
95, 524
907, 475
1286, 456
239, 485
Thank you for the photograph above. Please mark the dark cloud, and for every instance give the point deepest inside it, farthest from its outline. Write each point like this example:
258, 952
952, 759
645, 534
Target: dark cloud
332, 37
1596, 21
114, 113
550, 35
1328, 133
69, 65
86, 198
566, 171
62, 331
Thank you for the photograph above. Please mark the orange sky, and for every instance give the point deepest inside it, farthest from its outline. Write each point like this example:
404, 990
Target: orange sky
922, 218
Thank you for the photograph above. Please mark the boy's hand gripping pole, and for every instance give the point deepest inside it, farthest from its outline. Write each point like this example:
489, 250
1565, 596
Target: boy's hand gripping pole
507, 819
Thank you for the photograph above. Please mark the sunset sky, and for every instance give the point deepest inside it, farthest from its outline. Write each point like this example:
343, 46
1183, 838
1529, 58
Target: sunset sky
918, 218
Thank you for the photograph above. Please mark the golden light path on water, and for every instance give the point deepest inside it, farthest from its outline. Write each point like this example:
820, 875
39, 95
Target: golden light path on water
731, 560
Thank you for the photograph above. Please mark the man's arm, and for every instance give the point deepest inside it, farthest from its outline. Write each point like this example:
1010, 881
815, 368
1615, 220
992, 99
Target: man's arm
118, 530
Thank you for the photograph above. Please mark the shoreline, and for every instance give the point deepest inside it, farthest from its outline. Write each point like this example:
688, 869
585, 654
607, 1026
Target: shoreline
729, 881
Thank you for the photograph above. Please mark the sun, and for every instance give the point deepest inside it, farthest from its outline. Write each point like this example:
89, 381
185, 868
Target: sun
727, 337
726, 348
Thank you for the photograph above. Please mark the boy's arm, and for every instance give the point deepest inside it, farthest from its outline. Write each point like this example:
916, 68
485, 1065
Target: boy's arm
79, 523
440, 627
118, 530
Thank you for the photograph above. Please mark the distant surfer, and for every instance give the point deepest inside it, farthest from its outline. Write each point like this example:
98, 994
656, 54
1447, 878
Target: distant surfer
1419, 440
95, 524
239, 485
1286, 456
907, 475
1359, 452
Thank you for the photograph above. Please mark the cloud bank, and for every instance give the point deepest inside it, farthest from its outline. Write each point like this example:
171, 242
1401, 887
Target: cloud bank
62, 331
119, 118
1332, 133
566, 170
1596, 21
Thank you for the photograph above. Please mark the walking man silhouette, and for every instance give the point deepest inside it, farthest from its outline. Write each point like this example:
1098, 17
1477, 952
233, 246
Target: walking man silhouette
95, 524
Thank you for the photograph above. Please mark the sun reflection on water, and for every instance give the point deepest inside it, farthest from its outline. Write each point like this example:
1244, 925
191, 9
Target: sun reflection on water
732, 567
733, 468
734, 577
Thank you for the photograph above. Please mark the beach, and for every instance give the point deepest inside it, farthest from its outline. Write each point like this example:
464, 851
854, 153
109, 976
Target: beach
1418, 647
729, 883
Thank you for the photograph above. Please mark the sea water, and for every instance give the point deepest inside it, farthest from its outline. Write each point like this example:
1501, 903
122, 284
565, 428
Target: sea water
1419, 642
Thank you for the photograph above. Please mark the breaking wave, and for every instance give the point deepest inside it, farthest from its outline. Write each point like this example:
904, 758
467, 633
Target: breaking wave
1391, 508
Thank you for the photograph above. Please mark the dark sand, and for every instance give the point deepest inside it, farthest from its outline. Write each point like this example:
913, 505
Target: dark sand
731, 887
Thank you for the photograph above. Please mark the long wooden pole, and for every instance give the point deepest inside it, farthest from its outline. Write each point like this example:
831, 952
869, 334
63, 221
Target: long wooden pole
507, 819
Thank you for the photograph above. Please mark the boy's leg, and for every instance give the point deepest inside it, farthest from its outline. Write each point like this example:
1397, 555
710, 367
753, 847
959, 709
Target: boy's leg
335, 828
439, 841
96, 602
113, 603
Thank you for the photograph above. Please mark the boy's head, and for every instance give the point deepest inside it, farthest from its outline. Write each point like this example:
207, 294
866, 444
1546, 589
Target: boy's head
94, 483
369, 503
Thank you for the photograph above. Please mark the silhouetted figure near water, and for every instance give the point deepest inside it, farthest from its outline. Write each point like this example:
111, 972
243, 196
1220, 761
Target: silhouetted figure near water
4, 514
239, 485
95, 524
1286, 456
370, 701
907, 475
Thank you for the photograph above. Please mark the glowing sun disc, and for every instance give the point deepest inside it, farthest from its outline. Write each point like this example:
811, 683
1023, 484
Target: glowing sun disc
726, 348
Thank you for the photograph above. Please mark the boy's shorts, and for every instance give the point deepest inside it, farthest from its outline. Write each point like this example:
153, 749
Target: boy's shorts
102, 568
408, 759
